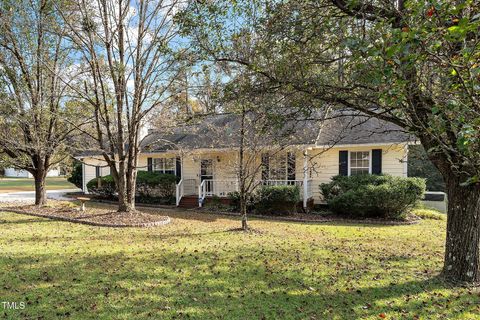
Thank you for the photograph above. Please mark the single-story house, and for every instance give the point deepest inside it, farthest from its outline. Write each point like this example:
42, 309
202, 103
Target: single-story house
204, 155
18, 173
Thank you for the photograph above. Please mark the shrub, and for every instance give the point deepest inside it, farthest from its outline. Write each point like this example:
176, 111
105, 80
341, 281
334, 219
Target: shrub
430, 214
215, 203
277, 200
106, 189
235, 201
151, 187
155, 187
366, 196
76, 175
420, 166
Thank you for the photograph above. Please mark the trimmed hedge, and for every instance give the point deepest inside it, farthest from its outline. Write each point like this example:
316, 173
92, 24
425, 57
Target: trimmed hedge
277, 200
373, 196
155, 187
106, 189
235, 201
151, 187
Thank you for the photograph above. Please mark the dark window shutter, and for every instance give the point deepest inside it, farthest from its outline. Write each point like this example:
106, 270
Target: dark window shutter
343, 163
265, 166
290, 166
178, 167
376, 161
97, 171
149, 164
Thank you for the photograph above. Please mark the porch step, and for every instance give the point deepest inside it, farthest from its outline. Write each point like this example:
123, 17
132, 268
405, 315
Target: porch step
188, 202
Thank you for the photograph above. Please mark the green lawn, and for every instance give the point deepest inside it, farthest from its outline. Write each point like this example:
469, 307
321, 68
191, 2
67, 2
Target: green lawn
25, 184
197, 268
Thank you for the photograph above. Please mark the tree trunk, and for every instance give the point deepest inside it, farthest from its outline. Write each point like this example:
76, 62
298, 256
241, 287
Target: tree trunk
462, 250
131, 179
40, 194
241, 172
243, 211
124, 205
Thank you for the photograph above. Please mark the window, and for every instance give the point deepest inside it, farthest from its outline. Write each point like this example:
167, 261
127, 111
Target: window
278, 167
359, 162
164, 165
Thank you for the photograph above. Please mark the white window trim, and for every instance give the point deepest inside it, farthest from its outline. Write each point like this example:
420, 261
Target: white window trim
163, 170
213, 168
369, 161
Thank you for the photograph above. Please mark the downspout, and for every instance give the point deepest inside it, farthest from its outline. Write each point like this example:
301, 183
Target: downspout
405, 160
305, 179
84, 183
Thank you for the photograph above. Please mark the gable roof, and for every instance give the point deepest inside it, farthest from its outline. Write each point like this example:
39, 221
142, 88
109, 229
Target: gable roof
222, 131
360, 129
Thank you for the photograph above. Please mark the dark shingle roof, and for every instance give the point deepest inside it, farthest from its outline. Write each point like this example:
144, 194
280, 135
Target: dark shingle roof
222, 131
358, 129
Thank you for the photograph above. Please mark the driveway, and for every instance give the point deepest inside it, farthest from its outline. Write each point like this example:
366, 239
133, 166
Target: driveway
30, 195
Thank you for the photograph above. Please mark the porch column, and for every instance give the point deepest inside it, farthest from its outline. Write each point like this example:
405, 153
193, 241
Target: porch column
200, 195
84, 182
305, 179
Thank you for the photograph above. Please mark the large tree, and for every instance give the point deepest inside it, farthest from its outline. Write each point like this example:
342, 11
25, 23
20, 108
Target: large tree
36, 123
128, 55
412, 63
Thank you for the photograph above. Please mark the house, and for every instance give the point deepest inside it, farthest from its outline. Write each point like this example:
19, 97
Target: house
204, 155
18, 173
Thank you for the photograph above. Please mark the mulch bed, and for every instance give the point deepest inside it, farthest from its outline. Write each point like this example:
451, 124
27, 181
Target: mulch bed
318, 218
103, 217
297, 217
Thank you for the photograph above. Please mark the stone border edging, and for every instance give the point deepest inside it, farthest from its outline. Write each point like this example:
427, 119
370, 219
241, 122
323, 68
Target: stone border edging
274, 218
91, 223
137, 204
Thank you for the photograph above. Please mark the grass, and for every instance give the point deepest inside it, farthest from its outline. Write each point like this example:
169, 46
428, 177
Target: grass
198, 268
432, 214
26, 184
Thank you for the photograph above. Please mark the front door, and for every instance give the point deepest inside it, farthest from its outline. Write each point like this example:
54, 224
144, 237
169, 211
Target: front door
206, 173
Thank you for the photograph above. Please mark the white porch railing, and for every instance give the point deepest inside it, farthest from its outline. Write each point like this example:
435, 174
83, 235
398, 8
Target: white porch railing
179, 192
185, 187
221, 188
281, 183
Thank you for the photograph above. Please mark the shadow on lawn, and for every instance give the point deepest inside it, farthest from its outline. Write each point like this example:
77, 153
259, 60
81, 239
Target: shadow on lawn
196, 215
193, 285
24, 220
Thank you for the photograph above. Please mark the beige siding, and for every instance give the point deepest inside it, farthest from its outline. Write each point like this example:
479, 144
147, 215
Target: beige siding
90, 165
142, 164
322, 164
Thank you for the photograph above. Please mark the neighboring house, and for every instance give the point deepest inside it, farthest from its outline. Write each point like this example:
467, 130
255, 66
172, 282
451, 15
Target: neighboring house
204, 155
18, 173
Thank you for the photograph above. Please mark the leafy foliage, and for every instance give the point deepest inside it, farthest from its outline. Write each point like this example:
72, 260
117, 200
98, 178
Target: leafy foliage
155, 187
412, 63
369, 196
102, 186
420, 166
151, 187
277, 200
430, 214
76, 176
235, 201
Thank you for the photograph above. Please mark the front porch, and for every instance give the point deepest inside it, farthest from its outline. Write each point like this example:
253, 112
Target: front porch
190, 194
